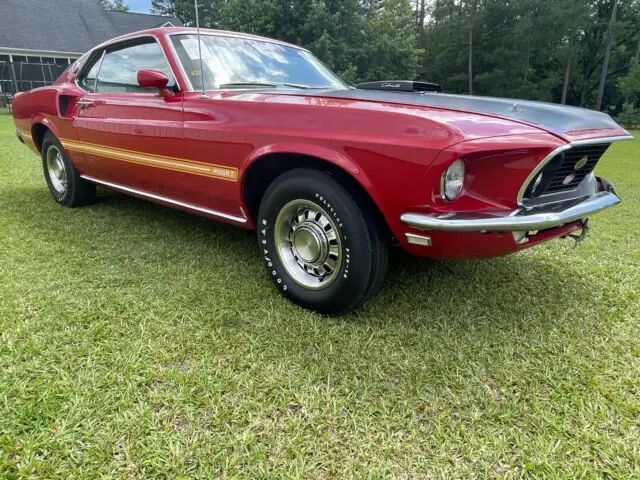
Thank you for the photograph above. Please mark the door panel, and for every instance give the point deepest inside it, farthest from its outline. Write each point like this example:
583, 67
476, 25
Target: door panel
218, 154
125, 132
126, 138
135, 138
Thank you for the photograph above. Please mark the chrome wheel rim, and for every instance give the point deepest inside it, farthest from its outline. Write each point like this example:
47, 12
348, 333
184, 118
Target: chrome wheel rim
308, 244
57, 170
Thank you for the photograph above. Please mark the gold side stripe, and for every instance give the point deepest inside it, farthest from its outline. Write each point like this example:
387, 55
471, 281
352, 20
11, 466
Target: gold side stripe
78, 142
168, 163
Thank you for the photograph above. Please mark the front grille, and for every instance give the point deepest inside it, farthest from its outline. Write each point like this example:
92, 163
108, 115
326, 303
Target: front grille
561, 175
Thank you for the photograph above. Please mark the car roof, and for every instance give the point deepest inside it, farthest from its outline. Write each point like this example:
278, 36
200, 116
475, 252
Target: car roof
165, 31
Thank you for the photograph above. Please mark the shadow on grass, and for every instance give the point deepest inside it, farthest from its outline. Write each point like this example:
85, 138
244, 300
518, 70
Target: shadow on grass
417, 292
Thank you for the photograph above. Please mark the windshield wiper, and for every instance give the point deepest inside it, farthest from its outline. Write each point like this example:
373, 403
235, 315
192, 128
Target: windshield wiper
247, 85
262, 85
297, 85
306, 87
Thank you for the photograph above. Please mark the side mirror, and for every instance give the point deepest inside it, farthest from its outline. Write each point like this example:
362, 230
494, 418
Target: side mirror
153, 79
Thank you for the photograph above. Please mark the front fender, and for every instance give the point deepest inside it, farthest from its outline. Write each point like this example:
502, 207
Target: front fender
323, 153
334, 157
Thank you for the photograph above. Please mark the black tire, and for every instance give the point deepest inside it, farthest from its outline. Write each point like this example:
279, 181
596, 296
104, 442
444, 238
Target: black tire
73, 191
363, 247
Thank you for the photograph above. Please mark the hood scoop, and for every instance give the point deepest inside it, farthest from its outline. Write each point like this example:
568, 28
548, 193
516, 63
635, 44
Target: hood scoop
400, 86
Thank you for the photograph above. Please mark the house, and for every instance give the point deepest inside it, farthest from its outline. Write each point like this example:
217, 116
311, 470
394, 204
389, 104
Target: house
40, 38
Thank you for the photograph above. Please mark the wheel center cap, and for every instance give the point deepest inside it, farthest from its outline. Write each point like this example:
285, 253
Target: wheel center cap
308, 244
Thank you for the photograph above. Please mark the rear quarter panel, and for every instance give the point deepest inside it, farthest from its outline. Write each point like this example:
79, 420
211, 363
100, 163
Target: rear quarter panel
40, 106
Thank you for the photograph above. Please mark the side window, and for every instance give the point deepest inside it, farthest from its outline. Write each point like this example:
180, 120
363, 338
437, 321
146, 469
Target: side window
88, 78
119, 68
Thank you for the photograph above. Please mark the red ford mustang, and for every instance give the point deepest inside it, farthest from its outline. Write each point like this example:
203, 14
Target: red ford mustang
260, 134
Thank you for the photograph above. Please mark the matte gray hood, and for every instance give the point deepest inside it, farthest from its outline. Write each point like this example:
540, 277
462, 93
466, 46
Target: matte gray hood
557, 119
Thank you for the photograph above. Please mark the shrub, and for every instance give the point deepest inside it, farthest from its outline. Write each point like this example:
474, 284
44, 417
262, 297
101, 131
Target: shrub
630, 116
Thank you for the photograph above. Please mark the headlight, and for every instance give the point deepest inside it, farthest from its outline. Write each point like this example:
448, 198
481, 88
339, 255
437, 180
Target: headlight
453, 180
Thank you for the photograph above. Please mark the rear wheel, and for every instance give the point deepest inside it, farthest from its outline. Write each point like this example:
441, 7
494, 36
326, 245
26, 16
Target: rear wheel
323, 250
64, 181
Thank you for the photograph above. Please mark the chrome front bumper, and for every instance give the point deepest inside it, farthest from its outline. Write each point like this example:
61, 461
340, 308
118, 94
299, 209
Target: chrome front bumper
539, 218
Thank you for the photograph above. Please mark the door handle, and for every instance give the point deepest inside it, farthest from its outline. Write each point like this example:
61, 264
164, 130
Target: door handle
85, 103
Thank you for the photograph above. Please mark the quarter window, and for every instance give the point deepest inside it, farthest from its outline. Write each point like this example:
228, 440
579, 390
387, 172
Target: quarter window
88, 79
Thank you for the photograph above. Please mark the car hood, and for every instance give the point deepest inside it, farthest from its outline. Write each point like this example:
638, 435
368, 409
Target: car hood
569, 123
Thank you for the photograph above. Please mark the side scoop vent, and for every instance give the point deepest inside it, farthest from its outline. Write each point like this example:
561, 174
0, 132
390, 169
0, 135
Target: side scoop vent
400, 86
63, 105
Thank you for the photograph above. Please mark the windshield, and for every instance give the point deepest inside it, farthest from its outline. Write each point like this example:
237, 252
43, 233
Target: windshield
230, 60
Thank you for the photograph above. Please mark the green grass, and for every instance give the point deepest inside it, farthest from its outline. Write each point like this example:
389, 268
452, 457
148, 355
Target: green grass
141, 342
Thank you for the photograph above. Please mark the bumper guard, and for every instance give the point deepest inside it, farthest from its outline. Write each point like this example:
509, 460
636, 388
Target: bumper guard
539, 218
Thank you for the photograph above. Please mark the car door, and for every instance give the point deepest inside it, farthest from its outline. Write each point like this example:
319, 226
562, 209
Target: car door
129, 136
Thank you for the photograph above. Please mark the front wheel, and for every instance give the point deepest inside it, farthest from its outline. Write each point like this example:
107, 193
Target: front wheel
322, 249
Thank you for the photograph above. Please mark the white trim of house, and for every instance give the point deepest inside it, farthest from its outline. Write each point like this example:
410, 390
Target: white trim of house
167, 24
40, 59
37, 53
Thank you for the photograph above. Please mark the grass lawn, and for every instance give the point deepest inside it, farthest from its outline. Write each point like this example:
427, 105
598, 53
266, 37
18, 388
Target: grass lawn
139, 341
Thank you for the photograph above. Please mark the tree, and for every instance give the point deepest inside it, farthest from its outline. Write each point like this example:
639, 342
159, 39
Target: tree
472, 7
118, 5
607, 55
210, 11
389, 49
629, 84
421, 13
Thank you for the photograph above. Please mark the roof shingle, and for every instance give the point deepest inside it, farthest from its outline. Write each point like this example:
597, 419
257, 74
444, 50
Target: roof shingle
73, 26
